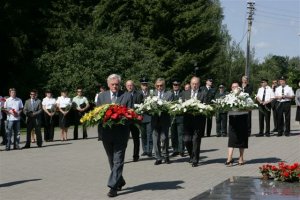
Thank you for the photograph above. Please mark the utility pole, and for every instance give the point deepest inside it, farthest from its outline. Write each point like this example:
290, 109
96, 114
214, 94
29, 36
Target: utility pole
250, 7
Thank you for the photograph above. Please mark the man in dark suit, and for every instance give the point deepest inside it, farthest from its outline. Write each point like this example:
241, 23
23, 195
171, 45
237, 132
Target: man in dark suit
221, 116
146, 132
209, 93
136, 98
33, 110
194, 126
177, 124
115, 139
161, 124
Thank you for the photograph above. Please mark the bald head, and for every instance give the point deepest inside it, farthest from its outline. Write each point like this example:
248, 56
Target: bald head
195, 83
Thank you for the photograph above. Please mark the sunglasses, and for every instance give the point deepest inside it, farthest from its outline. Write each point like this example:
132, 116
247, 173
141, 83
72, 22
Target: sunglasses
159, 85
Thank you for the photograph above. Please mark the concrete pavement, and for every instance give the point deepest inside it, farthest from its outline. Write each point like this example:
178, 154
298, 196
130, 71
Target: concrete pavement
79, 170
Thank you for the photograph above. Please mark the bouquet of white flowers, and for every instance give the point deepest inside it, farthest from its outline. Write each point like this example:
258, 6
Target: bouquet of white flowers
235, 101
192, 106
152, 106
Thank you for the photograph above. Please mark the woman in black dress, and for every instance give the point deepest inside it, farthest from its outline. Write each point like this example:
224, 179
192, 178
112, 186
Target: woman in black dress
238, 132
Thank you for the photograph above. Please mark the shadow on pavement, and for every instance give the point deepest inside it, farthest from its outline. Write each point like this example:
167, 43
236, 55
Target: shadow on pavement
18, 182
264, 160
166, 185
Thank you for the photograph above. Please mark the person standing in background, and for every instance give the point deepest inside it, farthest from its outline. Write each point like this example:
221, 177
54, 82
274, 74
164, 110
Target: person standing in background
13, 107
146, 132
49, 107
274, 106
177, 124
64, 106
264, 97
33, 110
136, 98
221, 116
284, 94
81, 105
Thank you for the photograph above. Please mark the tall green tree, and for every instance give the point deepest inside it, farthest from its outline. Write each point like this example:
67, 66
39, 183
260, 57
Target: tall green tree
182, 34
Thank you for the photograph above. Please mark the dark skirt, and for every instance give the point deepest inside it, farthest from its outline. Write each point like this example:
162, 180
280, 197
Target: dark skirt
238, 131
298, 114
64, 120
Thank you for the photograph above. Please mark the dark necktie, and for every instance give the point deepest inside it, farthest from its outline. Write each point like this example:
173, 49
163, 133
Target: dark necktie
282, 91
114, 98
264, 95
160, 95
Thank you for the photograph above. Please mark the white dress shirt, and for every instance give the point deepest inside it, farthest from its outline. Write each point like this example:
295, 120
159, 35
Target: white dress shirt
63, 101
48, 102
288, 91
268, 96
13, 103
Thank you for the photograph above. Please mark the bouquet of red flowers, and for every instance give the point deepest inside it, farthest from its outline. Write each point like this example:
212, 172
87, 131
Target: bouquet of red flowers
282, 172
109, 115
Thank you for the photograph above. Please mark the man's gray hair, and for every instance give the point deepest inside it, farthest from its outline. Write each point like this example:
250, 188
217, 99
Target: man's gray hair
113, 76
160, 80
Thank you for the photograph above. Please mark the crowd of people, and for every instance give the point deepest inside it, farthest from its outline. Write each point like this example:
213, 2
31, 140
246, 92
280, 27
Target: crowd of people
186, 131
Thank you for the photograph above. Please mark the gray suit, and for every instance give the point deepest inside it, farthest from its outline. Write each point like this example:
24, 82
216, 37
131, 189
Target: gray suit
33, 119
115, 140
161, 125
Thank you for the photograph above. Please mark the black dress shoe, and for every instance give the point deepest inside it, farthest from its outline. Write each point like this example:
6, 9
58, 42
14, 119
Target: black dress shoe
267, 134
274, 130
259, 135
112, 193
121, 185
144, 154
218, 135
174, 154
279, 134
135, 159
167, 161
194, 164
287, 134
149, 155
182, 154
26, 147
157, 162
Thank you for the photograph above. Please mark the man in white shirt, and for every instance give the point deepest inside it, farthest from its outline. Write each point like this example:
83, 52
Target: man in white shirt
284, 94
13, 107
264, 96
49, 107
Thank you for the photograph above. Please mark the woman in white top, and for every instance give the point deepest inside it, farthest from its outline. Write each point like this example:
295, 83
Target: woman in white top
49, 107
63, 104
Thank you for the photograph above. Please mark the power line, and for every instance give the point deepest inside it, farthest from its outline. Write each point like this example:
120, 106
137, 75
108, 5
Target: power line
277, 14
278, 9
277, 24
277, 18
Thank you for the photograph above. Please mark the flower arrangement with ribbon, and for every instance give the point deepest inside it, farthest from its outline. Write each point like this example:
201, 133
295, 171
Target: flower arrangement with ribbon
234, 101
282, 172
109, 115
153, 106
192, 106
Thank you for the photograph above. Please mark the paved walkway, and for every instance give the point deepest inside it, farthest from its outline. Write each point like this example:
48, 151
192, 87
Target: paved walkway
78, 170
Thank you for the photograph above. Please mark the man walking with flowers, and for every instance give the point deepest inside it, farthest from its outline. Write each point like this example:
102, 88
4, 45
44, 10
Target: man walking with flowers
115, 138
194, 125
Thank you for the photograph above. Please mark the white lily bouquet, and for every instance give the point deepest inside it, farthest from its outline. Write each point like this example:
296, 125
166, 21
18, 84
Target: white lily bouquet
152, 106
192, 106
235, 101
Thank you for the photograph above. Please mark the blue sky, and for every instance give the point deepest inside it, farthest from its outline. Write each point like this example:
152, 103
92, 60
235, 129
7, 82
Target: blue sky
275, 28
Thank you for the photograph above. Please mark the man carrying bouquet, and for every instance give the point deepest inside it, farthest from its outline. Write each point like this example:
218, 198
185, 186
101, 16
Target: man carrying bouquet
194, 125
161, 125
115, 138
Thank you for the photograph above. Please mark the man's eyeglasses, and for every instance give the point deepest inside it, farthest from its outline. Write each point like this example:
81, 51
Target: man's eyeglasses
32, 94
176, 84
159, 85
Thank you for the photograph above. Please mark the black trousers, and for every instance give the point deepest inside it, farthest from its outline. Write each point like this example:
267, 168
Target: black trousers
274, 109
221, 123
135, 134
284, 117
208, 126
48, 127
34, 123
77, 116
177, 136
264, 115
249, 122
115, 143
194, 127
